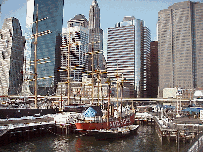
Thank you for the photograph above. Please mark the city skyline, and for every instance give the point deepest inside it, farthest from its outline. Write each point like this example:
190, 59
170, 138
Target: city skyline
117, 24
111, 11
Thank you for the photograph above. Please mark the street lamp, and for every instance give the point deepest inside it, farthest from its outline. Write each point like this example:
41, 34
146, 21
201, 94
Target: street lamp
180, 101
178, 93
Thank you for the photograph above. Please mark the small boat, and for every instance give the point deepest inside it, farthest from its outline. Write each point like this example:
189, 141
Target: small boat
114, 133
75, 108
133, 128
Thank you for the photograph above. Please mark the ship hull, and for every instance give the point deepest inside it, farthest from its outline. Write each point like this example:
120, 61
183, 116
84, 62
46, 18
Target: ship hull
18, 113
104, 125
115, 134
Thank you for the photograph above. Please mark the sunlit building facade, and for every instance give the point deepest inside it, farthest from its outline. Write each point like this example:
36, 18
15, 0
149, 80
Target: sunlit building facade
180, 46
77, 34
12, 45
124, 49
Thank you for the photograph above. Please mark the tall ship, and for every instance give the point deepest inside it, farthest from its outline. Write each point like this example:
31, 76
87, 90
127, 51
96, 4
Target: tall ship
96, 119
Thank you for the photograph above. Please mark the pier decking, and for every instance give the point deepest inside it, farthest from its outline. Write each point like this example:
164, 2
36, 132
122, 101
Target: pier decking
180, 129
15, 130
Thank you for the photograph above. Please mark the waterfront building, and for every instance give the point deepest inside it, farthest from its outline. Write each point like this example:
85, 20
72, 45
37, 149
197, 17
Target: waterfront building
12, 45
126, 51
180, 46
95, 39
153, 81
47, 45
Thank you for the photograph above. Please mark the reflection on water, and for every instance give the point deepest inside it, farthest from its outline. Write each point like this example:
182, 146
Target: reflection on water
145, 140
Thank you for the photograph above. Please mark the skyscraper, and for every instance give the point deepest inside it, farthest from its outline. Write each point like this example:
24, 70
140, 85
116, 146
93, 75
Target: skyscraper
77, 35
95, 32
153, 81
180, 46
95, 38
48, 45
145, 62
126, 50
12, 45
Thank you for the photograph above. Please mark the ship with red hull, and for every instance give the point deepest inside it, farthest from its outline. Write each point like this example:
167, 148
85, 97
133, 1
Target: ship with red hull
112, 123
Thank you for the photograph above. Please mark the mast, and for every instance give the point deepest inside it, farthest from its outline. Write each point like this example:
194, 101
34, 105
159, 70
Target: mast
108, 102
121, 95
92, 72
35, 58
98, 75
98, 86
24, 76
68, 70
35, 52
117, 85
61, 96
92, 64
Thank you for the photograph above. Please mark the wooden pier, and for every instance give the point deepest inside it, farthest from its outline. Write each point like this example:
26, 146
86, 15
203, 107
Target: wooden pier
144, 118
19, 130
176, 132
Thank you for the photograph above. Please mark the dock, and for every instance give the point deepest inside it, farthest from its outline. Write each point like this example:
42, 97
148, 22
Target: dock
144, 118
18, 130
178, 130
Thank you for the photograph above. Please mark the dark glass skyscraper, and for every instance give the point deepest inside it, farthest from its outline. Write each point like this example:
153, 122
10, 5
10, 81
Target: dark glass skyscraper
152, 90
48, 45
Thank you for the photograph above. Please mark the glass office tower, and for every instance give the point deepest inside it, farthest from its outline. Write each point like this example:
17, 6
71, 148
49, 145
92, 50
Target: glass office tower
48, 45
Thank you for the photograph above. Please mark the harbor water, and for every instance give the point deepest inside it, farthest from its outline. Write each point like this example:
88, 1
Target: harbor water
145, 140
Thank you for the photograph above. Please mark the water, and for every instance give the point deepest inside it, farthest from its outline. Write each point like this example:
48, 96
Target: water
145, 140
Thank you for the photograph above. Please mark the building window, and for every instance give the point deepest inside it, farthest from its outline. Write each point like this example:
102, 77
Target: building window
3, 55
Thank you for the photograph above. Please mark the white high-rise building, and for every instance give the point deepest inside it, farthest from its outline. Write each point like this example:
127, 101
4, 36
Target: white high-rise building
77, 34
125, 52
12, 45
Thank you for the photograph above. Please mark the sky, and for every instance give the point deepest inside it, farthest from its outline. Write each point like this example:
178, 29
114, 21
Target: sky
111, 11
